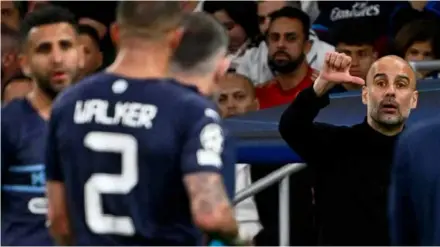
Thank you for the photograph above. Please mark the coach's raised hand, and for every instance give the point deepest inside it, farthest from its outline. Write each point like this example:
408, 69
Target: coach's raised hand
335, 71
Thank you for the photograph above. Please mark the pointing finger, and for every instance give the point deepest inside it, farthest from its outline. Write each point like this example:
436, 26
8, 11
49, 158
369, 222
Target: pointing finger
357, 80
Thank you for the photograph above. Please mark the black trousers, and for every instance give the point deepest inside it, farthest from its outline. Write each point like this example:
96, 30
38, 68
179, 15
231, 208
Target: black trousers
302, 212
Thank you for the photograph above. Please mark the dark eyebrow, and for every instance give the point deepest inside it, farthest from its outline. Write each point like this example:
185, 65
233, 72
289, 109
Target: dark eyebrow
379, 75
404, 77
290, 33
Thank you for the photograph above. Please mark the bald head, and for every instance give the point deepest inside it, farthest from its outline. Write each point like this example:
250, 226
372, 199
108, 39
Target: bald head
236, 95
392, 66
233, 80
390, 94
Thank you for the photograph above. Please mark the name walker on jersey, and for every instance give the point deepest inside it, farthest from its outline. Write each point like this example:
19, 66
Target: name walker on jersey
128, 114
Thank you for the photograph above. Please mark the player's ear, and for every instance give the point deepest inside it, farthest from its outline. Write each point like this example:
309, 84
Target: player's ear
224, 65
176, 37
365, 95
414, 99
115, 34
307, 46
24, 64
255, 105
81, 57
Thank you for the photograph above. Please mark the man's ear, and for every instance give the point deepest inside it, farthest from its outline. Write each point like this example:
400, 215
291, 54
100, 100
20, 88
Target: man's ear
307, 46
365, 95
81, 57
175, 37
24, 65
255, 105
115, 34
414, 99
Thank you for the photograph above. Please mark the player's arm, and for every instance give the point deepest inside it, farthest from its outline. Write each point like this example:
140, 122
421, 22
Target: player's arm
201, 163
57, 217
212, 212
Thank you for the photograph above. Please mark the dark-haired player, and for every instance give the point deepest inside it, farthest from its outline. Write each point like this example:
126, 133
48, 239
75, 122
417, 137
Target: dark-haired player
135, 157
51, 57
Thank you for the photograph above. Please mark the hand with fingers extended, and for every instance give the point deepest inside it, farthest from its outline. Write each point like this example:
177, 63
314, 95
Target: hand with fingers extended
335, 71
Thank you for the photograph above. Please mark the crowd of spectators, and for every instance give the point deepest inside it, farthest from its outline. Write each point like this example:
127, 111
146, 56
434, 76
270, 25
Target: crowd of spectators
277, 49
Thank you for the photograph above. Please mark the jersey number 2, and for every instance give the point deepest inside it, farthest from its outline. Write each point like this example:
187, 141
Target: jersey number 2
101, 183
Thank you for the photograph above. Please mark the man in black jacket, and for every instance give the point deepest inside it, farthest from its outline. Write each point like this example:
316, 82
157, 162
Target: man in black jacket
352, 164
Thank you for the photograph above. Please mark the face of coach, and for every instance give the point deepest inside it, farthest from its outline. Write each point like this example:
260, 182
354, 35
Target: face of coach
390, 93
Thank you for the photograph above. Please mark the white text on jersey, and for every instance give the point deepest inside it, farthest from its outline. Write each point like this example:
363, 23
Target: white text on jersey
129, 114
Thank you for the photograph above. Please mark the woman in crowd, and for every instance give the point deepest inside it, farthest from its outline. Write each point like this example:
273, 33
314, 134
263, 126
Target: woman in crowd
241, 20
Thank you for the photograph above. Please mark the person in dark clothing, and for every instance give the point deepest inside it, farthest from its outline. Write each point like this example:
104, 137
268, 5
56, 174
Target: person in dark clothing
352, 164
414, 210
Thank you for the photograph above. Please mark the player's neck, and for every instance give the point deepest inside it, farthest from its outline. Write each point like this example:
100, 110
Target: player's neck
202, 83
293, 79
147, 61
41, 102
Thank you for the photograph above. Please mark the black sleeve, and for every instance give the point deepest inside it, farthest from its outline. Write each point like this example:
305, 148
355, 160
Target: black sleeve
314, 142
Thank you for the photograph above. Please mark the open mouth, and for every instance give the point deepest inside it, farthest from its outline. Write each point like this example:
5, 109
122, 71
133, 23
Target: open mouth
389, 107
58, 75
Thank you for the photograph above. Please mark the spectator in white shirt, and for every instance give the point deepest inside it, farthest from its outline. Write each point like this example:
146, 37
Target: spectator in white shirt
241, 20
254, 62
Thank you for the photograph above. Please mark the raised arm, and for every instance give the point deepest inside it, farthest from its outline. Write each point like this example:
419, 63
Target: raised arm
297, 125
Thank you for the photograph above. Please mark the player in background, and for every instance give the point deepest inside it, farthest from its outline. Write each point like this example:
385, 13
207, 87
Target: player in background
51, 56
414, 198
194, 64
135, 157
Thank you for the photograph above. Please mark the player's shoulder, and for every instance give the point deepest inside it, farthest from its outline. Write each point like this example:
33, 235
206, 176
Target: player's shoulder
192, 99
416, 134
194, 105
15, 109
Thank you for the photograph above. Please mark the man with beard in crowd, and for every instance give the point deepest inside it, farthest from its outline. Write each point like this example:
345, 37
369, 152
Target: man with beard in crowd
352, 164
51, 55
288, 43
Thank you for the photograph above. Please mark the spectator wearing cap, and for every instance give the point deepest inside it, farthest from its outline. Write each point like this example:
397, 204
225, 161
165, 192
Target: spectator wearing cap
419, 40
89, 38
